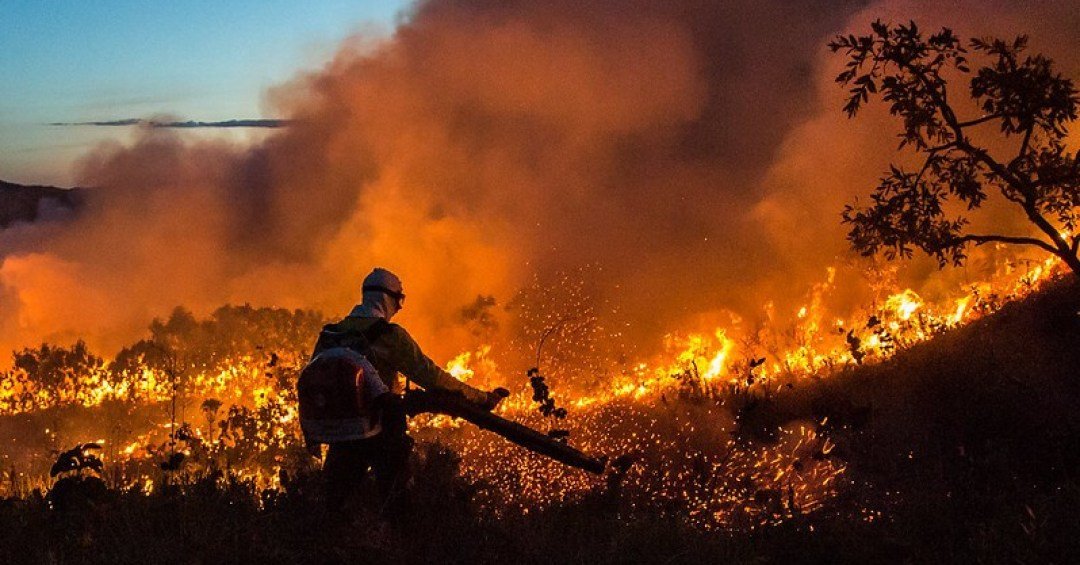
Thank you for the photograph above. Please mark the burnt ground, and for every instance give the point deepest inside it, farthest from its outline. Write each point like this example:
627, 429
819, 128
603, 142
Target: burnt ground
962, 449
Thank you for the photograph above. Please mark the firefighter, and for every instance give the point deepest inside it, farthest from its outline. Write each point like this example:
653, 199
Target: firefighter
395, 352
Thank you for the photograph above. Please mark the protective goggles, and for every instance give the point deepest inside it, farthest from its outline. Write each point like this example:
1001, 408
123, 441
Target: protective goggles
400, 296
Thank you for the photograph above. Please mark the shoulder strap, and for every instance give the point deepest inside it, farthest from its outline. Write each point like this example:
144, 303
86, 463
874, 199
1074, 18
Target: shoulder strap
341, 335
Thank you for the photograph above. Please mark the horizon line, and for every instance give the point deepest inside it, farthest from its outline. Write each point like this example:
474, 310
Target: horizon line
242, 123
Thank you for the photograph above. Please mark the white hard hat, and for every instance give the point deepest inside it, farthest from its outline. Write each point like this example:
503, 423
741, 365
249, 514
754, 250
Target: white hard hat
384, 281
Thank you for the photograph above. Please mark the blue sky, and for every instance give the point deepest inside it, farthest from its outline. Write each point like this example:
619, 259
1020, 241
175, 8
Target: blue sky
72, 61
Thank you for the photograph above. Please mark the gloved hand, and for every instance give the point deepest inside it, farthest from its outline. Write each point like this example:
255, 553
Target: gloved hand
494, 398
483, 399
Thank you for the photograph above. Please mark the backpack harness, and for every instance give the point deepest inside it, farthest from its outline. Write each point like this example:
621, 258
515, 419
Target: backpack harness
338, 388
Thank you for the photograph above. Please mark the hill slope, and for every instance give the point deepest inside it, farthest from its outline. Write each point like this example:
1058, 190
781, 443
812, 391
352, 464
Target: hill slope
20, 203
970, 443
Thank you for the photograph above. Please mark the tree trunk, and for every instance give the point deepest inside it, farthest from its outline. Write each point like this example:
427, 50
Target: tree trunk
1073, 262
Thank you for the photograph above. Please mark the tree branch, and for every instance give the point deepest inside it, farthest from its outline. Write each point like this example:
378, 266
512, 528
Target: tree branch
922, 171
1023, 146
1018, 200
1016, 240
948, 145
978, 121
1021, 184
1060, 246
949, 116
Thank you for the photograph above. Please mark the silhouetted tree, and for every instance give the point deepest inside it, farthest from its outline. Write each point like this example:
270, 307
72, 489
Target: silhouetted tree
1029, 102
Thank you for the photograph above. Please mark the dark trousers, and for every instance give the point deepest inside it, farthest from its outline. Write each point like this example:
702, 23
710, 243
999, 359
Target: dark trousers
385, 455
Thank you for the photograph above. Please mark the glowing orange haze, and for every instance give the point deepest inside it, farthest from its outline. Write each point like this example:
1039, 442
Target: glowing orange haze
694, 152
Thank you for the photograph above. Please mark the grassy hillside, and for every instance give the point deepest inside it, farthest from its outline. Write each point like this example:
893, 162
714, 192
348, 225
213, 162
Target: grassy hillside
962, 449
971, 440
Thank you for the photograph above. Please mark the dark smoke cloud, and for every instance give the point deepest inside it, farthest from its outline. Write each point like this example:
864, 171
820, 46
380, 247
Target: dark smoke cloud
694, 150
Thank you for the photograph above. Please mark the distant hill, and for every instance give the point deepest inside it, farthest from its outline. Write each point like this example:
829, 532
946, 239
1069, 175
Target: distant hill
20, 203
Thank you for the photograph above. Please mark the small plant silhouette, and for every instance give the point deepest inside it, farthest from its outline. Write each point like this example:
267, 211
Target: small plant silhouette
542, 396
174, 462
79, 485
210, 408
77, 460
546, 403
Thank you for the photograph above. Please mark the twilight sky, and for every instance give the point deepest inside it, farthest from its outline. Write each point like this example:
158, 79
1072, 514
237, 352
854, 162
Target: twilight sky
75, 61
